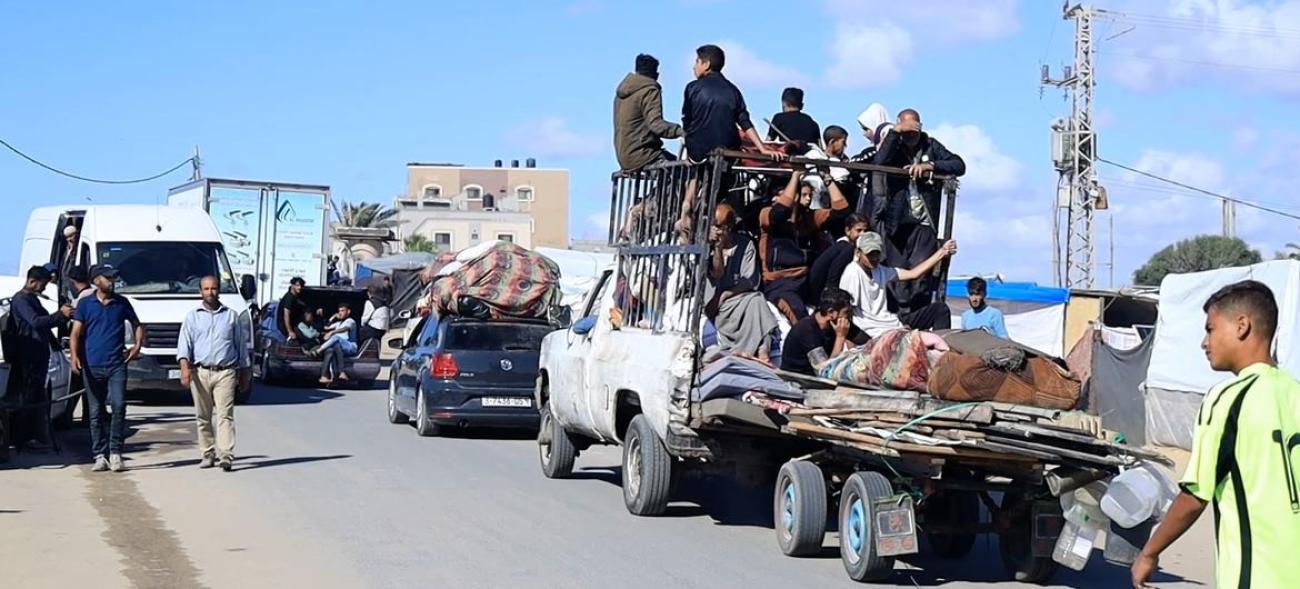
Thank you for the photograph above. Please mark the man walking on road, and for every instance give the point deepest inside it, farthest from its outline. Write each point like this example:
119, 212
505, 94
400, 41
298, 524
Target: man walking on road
98, 336
213, 350
1242, 451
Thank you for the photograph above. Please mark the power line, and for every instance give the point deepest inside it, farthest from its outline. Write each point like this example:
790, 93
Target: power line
95, 180
1259, 68
1203, 25
1189, 187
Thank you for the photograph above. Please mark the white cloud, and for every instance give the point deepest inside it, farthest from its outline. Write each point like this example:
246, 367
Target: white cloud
748, 70
551, 138
987, 168
865, 56
1250, 42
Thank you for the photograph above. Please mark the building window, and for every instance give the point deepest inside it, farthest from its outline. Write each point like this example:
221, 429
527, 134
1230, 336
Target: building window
440, 205
506, 237
524, 193
407, 203
432, 191
474, 192
442, 240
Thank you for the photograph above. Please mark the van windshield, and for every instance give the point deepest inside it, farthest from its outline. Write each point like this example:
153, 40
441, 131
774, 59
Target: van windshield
163, 267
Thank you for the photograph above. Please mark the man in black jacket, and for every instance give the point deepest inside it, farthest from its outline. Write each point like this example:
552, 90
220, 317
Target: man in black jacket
639, 125
792, 123
29, 341
908, 215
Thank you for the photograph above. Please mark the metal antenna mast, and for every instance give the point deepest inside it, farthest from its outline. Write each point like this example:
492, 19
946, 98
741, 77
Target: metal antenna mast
1074, 152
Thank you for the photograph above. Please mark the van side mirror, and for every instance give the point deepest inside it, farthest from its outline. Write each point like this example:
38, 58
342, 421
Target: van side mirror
248, 287
585, 325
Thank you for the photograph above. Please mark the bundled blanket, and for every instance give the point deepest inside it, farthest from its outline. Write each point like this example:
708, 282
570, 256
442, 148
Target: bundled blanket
509, 280
897, 360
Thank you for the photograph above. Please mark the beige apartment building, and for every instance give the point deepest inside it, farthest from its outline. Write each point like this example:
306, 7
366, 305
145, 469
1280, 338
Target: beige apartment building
457, 206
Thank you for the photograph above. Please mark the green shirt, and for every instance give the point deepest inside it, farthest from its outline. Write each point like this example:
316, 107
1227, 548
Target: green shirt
1243, 464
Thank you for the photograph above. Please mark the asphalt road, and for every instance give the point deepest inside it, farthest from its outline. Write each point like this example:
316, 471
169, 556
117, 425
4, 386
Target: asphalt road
326, 493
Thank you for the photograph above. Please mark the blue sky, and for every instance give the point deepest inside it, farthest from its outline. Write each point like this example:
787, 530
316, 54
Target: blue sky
344, 93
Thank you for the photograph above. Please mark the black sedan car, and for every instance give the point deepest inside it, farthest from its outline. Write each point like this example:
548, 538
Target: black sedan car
460, 372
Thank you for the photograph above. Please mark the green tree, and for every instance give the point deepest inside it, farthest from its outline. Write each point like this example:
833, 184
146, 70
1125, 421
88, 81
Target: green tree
1196, 254
420, 243
364, 214
1292, 252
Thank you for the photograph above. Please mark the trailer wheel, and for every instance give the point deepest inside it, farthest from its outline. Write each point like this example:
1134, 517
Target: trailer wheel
951, 508
1015, 544
647, 470
857, 529
799, 505
554, 447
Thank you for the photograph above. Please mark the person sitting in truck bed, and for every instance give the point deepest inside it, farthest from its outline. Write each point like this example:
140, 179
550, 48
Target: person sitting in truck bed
829, 329
308, 330
827, 269
788, 234
735, 306
867, 279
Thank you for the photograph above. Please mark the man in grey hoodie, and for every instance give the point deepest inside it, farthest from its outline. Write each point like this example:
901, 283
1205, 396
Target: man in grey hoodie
639, 125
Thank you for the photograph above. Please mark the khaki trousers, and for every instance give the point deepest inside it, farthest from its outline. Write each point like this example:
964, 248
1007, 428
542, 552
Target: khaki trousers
214, 397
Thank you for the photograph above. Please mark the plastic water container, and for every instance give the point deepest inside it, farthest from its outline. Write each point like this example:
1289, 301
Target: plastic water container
1136, 495
1082, 506
1074, 545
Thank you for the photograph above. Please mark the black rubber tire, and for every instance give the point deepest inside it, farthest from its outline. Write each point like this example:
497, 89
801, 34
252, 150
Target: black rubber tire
1015, 547
950, 508
395, 415
799, 508
423, 424
264, 374
555, 448
647, 470
863, 564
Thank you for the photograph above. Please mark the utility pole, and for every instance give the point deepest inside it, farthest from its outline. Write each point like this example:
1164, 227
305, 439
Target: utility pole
196, 165
1074, 153
1229, 218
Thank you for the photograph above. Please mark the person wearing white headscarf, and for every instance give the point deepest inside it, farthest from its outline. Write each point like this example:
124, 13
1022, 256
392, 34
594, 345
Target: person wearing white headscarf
875, 123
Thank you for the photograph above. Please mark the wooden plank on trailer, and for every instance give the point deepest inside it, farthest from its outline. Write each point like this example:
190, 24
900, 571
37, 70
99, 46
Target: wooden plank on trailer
870, 403
1063, 452
817, 431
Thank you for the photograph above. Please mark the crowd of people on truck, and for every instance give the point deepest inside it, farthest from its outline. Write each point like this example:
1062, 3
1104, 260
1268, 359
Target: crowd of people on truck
827, 236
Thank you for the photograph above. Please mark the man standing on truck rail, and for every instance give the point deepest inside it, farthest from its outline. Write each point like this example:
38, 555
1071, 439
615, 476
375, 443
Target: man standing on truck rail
31, 344
98, 333
213, 352
291, 308
1243, 451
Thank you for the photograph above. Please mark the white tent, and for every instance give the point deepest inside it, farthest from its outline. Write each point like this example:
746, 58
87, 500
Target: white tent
1179, 375
579, 271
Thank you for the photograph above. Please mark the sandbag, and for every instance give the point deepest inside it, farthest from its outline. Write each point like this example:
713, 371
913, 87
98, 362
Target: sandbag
1040, 383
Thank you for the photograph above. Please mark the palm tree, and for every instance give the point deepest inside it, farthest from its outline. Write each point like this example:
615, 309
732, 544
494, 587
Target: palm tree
364, 214
1292, 252
420, 243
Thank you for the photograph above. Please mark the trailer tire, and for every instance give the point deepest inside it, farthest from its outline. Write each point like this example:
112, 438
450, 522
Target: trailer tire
1015, 546
555, 448
647, 470
799, 505
857, 530
950, 508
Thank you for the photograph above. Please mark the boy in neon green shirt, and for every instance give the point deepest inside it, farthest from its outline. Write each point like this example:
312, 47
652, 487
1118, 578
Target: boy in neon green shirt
1242, 459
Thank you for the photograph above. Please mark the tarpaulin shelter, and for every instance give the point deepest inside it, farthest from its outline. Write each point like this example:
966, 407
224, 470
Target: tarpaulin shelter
1179, 376
404, 270
1035, 315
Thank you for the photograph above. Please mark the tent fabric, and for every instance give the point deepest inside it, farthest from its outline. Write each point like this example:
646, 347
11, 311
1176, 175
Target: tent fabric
388, 264
1170, 416
1177, 362
579, 272
1114, 390
1026, 292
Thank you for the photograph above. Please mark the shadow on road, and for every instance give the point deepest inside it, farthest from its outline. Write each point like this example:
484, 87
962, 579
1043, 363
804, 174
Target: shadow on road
280, 395
244, 464
488, 433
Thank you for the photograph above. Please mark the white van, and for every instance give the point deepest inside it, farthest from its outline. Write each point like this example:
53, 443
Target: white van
160, 253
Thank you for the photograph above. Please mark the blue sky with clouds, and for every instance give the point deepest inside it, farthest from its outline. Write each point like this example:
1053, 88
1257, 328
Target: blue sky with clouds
344, 93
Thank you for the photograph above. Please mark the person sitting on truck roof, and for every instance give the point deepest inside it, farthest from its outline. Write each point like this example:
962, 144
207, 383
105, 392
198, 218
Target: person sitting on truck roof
828, 329
787, 233
867, 280
292, 307
735, 306
793, 124
639, 125
908, 217
827, 269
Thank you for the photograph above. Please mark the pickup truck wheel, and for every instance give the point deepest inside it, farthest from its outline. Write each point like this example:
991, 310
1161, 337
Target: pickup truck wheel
952, 508
554, 447
857, 527
647, 470
1016, 543
394, 415
423, 424
800, 508
264, 373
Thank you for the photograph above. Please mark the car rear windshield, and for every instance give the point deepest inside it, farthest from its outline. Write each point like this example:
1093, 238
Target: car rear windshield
501, 337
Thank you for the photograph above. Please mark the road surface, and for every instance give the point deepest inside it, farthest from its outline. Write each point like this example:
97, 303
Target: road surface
326, 493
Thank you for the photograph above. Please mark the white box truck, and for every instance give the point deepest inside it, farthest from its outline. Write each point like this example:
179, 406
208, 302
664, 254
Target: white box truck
273, 231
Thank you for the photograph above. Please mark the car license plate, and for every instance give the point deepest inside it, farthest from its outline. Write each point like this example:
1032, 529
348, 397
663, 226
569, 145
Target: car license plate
507, 402
174, 374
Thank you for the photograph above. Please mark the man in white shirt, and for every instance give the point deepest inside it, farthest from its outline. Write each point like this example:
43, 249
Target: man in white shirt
867, 281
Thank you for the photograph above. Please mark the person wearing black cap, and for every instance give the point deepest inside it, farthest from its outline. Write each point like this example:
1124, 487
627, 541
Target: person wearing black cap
792, 123
98, 333
29, 342
639, 125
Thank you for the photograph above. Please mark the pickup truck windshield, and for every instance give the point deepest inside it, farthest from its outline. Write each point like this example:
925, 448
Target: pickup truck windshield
498, 337
162, 267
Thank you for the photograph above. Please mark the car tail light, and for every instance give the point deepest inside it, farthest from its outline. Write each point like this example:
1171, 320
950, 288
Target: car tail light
444, 366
